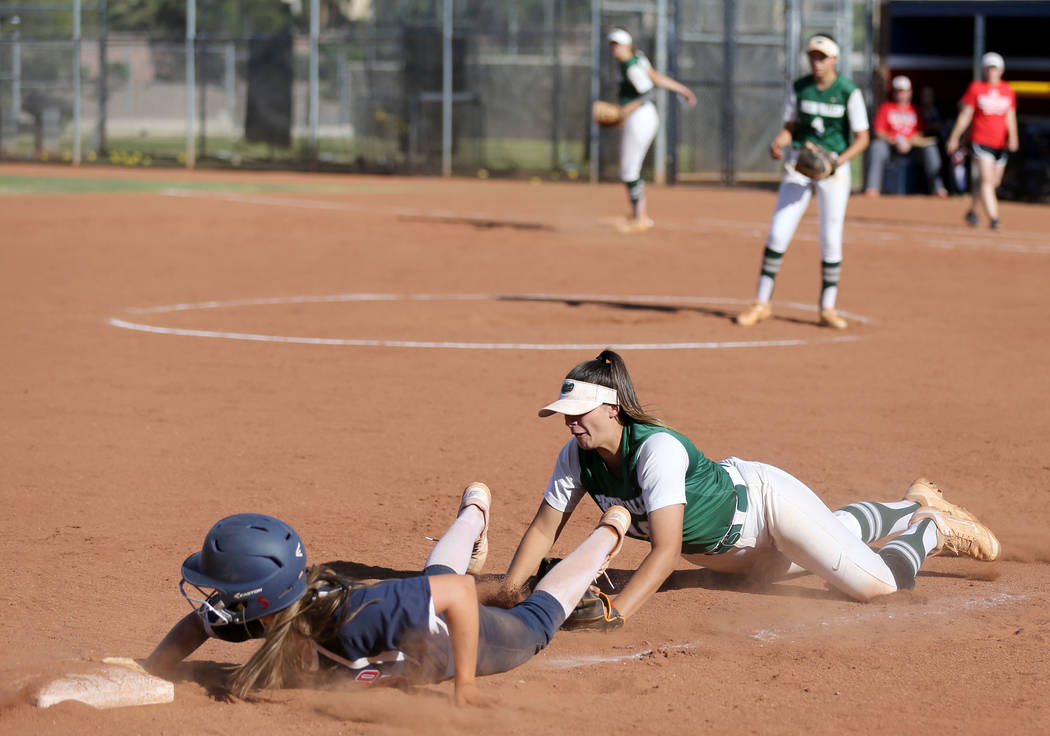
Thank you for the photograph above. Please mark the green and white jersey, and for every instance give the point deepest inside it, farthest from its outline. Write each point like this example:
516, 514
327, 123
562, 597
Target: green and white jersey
634, 78
660, 467
827, 117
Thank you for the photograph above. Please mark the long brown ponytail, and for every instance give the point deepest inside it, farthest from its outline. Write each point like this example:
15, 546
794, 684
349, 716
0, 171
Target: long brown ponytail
608, 369
286, 654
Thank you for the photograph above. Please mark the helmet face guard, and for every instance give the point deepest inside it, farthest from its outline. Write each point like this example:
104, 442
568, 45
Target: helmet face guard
250, 566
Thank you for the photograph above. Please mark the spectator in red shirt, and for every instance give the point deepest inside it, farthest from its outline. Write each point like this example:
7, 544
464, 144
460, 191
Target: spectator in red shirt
992, 107
898, 130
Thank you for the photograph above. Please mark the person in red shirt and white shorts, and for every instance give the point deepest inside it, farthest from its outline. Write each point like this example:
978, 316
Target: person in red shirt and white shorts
991, 106
898, 129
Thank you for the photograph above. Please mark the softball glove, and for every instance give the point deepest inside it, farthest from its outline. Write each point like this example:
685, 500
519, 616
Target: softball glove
606, 113
594, 612
816, 162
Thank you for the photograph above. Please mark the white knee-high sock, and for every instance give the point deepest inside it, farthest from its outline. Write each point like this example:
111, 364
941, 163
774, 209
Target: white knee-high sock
568, 580
454, 548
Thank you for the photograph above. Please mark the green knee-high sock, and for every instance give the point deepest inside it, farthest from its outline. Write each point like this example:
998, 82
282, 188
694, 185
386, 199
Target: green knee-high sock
878, 520
905, 553
635, 193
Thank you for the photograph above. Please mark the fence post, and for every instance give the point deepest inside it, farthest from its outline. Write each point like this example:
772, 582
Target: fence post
979, 41
16, 82
596, 81
845, 38
553, 32
191, 81
660, 153
729, 92
230, 86
446, 90
793, 45
312, 95
76, 82
103, 78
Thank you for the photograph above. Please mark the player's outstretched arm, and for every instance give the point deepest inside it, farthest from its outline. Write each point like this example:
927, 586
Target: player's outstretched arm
544, 530
665, 530
183, 640
455, 597
666, 82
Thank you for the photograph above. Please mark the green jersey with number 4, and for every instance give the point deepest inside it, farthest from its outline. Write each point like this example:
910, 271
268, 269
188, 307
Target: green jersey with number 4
823, 116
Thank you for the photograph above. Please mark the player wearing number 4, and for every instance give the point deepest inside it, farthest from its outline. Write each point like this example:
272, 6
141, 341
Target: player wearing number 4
253, 583
734, 516
822, 110
638, 85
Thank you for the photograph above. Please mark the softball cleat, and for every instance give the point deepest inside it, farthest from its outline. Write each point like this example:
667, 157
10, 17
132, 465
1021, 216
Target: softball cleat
830, 318
927, 494
478, 494
757, 312
961, 537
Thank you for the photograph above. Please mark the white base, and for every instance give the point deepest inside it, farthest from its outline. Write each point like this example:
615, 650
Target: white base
111, 686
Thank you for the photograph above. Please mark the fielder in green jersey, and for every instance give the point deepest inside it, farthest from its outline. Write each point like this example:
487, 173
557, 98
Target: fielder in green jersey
733, 516
827, 110
638, 85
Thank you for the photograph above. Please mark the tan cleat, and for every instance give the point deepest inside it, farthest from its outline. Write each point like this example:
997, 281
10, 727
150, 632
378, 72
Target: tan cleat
926, 493
478, 494
960, 537
635, 225
830, 318
754, 314
619, 520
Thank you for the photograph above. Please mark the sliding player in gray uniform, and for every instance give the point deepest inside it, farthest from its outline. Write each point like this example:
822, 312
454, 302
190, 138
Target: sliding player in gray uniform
828, 110
733, 516
638, 83
253, 583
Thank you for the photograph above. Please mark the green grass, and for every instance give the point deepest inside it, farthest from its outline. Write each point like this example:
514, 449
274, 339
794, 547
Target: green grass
21, 185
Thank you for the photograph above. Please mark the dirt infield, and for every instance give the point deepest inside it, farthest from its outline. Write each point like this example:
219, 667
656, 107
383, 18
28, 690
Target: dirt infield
283, 384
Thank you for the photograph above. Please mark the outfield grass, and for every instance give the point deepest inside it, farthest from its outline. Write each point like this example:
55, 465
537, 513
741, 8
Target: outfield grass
20, 185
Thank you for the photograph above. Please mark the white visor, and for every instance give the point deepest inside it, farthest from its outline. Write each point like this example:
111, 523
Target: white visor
824, 45
579, 397
620, 36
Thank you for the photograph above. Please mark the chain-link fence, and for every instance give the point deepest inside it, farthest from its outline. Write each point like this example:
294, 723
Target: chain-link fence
496, 87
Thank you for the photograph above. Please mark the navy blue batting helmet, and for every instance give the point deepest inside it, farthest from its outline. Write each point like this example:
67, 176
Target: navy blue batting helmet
253, 564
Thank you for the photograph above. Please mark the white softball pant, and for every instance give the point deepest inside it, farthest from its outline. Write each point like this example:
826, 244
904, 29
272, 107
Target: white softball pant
785, 522
793, 199
637, 135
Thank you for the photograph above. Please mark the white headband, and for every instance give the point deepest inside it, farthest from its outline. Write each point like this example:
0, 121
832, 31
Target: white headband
579, 397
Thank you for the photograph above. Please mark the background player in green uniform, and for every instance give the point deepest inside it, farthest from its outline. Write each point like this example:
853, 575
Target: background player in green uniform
638, 83
734, 515
828, 110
